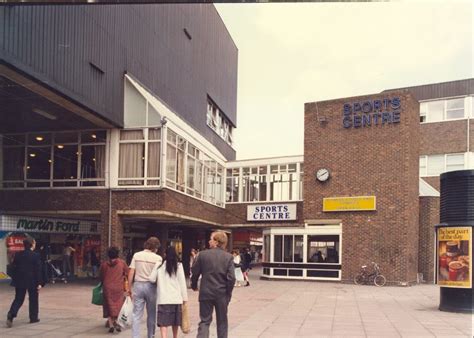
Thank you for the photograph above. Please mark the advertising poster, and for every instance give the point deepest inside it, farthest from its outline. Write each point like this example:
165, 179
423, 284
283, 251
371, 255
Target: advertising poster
454, 257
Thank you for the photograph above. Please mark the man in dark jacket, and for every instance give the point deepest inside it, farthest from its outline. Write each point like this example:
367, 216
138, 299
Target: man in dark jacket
26, 277
218, 278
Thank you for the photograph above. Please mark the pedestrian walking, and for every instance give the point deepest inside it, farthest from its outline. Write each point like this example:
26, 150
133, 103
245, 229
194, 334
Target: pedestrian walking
171, 292
239, 277
112, 275
142, 291
246, 265
218, 277
26, 276
67, 256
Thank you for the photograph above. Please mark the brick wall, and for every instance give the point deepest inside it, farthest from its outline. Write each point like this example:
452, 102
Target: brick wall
433, 181
380, 160
429, 216
443, 137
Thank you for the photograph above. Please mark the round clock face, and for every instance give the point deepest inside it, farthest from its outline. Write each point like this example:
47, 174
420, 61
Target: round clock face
322, 175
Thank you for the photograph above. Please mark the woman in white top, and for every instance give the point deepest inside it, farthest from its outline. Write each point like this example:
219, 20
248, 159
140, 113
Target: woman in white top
239, 277
171, 292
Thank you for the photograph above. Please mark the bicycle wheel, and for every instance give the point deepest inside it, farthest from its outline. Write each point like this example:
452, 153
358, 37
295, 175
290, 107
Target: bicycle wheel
359, 279
380, 280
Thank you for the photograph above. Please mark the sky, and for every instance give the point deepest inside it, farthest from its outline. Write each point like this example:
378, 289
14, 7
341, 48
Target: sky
293, 53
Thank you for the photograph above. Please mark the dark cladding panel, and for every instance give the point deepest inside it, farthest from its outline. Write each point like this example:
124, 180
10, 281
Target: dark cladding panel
443, 89
84, 51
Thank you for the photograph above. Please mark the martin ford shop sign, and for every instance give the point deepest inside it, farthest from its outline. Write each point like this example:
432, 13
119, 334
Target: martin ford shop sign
46, 225
271, 212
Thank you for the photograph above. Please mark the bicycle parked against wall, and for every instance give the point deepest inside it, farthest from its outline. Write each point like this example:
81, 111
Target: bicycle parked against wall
366, 277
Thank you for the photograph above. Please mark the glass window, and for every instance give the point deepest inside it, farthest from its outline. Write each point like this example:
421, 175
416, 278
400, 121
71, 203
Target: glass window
423, 111
266, 248
13, 139
13, 163
93, 165
454, 162
38, 163
423, 165
435, 111
435, 164
298, 251
154, 162
323, 249
96, 136
60, 138
288, 248
39, 139
277, 248
131, 163
65, 162
455, 109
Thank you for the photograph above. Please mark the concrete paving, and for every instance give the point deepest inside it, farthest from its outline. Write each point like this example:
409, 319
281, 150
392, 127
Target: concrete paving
265, 309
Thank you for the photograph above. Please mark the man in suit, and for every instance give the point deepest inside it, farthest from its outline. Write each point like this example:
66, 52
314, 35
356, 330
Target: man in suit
26, 277
217, 269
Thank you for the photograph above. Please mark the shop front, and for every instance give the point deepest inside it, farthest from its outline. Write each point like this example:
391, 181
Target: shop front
52, 236
310, 252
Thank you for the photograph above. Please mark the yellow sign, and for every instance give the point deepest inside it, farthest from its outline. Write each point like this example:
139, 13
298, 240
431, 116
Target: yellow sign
358, 203
454, 257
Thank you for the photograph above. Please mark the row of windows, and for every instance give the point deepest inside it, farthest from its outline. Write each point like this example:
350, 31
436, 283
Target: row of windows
290, 249
63, 159
435, 165
446, 110
275, 182
218, 122
187, 168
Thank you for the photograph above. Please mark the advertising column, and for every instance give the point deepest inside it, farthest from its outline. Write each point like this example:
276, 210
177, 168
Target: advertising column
454, 241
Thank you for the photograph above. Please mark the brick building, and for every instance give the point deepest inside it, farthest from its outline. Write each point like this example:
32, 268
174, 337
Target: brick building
111, 141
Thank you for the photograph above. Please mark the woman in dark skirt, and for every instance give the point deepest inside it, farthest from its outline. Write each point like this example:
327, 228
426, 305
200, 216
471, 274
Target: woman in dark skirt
112, 275
171, 292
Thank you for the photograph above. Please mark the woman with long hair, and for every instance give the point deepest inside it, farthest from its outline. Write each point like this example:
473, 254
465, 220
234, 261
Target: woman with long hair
171, 292
112, 275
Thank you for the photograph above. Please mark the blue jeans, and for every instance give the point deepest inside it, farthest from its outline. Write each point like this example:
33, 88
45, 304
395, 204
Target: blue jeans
144, 293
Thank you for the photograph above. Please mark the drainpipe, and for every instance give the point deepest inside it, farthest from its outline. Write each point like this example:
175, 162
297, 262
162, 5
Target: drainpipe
110, 187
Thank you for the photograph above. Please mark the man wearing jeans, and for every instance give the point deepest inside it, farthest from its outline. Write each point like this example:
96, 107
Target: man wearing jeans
216, 266
143, 292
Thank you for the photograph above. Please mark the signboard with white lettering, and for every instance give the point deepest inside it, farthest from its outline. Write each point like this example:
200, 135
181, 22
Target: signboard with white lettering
271, 212
47, 225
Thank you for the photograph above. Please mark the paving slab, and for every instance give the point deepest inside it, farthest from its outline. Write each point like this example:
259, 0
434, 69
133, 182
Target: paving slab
265, 309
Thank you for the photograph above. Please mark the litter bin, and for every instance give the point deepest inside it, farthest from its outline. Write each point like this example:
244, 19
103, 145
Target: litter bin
454, 241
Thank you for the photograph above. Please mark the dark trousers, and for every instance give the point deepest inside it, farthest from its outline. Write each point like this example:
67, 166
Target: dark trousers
205, 312
20, 298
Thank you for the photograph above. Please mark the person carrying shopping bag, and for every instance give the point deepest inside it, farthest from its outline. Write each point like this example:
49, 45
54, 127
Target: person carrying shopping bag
171, 292
112, 275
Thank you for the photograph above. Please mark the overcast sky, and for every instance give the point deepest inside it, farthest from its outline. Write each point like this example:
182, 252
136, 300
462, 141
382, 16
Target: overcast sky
294, 53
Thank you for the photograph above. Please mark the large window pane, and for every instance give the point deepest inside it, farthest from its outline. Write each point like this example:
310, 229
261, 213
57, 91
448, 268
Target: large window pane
455, 109
288, 248
190, 178
323, 249
96, 136
171, 165
435, 164
70, 137
277, 248
39, 139
13, 139
65, 162
435, 111
131, 163
266, 248
13, 163
454, 162
154, 160
38, 163
93, 162
298, 255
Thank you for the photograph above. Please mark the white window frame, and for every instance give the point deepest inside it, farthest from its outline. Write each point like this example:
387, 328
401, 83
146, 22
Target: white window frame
445, 109
424, 173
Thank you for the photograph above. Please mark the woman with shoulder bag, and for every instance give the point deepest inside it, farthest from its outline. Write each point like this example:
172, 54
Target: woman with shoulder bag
171, 292
239, 277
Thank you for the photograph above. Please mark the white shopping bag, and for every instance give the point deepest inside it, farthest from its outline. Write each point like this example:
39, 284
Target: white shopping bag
125, 316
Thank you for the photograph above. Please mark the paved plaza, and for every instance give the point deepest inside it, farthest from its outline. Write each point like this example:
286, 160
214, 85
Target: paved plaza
265, 309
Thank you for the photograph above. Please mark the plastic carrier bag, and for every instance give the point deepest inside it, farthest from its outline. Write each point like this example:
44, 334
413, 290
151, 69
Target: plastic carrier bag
125, 316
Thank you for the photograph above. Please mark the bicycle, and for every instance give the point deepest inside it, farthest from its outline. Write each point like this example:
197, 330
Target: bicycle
364, 277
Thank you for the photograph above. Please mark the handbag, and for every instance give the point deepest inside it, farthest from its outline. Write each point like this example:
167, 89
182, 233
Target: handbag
185, 324
97, 295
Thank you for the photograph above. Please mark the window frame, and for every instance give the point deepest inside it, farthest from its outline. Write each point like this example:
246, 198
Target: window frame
426, 113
